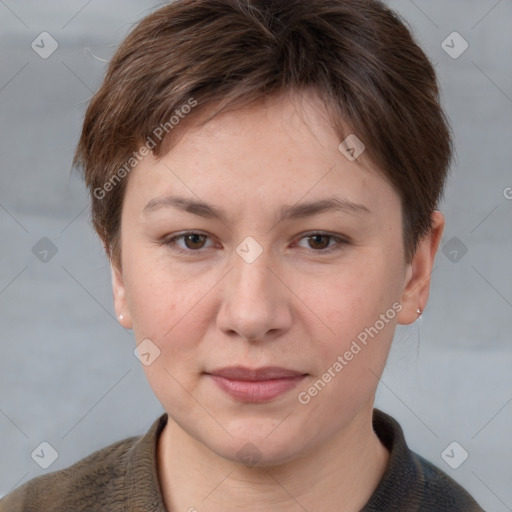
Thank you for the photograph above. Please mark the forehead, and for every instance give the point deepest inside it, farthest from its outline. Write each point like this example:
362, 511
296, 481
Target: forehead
280, 150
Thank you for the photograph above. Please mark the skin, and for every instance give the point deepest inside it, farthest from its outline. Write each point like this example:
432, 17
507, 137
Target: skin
296, 306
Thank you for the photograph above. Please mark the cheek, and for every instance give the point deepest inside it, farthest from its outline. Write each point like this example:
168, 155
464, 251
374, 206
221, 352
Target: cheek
358, 307
169, 307
352, 298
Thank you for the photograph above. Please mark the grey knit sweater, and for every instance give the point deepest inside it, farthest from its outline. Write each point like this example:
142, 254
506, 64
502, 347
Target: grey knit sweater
123, 478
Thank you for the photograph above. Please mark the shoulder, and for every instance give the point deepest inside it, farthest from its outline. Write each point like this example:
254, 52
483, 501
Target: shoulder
439, 491
411, 483
99, 474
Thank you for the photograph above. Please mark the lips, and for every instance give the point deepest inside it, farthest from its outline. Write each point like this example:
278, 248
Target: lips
255, 385
257, 374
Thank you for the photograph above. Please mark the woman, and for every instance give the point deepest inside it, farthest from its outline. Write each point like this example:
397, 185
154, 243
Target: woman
264, 177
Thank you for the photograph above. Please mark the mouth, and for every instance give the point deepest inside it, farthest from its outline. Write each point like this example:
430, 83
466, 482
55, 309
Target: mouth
255, 385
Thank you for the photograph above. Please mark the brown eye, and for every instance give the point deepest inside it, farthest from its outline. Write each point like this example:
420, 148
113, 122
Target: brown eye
189, 243
319, 241
323, 243
194, 241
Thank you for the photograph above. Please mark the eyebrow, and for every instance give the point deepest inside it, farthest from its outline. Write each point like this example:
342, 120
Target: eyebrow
296, 211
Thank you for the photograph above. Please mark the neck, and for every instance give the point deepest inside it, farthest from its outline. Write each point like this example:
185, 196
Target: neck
340, 475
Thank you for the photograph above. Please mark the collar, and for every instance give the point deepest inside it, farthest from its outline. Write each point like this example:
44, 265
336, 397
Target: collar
145, 493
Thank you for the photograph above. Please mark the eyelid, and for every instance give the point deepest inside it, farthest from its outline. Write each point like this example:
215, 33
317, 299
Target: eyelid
337, 236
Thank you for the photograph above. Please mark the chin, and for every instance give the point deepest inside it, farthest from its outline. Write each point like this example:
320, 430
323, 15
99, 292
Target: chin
259, 444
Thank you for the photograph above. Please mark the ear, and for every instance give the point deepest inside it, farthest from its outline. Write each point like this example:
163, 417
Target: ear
120, 302
417, 283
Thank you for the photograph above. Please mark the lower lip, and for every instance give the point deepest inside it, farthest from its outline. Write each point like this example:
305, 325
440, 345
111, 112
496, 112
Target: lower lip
256, 391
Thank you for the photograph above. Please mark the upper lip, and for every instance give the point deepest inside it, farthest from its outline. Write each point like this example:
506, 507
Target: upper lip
255, 374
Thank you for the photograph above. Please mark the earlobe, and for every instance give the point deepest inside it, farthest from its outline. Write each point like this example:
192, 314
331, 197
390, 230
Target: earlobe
417, 282
120, 302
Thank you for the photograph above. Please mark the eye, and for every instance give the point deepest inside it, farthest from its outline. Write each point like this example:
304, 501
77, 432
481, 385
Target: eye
321, 242
193, 242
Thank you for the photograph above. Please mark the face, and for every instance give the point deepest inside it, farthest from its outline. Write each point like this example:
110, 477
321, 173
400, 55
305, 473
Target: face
255, 244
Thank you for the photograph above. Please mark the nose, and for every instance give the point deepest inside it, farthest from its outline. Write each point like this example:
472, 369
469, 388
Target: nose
256, 302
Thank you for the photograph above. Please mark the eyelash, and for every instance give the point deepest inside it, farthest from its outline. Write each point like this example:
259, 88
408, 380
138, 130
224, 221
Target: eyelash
340, 242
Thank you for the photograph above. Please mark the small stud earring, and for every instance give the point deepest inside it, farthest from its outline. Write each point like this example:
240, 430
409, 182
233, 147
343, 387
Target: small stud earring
418, 323
121, 316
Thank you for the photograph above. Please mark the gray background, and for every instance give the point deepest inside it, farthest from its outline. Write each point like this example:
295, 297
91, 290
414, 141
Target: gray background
67, 372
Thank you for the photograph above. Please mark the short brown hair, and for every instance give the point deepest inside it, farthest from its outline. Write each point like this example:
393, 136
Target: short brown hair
358, 56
